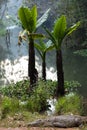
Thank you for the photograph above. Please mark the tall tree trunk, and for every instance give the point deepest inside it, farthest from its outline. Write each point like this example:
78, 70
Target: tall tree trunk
32, 72
60, 91
44, 68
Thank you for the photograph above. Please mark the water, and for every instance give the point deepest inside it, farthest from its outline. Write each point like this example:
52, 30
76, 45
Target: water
51, 110
14, 59
75, 69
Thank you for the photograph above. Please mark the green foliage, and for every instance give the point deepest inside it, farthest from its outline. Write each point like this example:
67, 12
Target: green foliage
43, 47
72, 28
51, 87
18, 90
28, 18
59, 28
70, 104
38, 100
9, 105
71, 86
84, 127
82, 52
35, 101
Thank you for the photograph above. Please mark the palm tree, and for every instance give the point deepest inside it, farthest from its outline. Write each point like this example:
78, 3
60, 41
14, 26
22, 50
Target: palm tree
60, 31
42, 49
28, 18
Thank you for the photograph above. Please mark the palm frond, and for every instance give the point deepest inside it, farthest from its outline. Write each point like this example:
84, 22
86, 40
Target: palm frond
44, 17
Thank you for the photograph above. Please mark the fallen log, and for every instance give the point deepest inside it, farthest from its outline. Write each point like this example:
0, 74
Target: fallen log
63, 121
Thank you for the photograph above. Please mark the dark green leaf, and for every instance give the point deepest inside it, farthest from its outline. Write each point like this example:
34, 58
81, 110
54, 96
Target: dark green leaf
28, 18
72, 28
51, 37
60, 27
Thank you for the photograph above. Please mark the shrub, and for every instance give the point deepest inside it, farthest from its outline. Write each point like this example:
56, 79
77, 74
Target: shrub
18, 90
70, 104
38, 100
51, 87
9, 105
71, 86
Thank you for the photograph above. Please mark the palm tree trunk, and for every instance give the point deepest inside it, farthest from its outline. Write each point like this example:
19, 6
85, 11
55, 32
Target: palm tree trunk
60, 91
32, 72
44, 68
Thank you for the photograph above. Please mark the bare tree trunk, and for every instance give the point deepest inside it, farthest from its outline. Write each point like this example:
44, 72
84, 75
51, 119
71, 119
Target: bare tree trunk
60, 91
32, 72
44, 68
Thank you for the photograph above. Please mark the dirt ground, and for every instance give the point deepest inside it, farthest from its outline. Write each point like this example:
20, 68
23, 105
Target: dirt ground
38, 128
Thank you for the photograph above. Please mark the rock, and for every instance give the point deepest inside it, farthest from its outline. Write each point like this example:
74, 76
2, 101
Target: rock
63, 121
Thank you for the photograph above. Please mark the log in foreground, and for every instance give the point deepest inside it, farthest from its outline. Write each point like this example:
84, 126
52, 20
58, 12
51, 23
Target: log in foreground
63, 121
